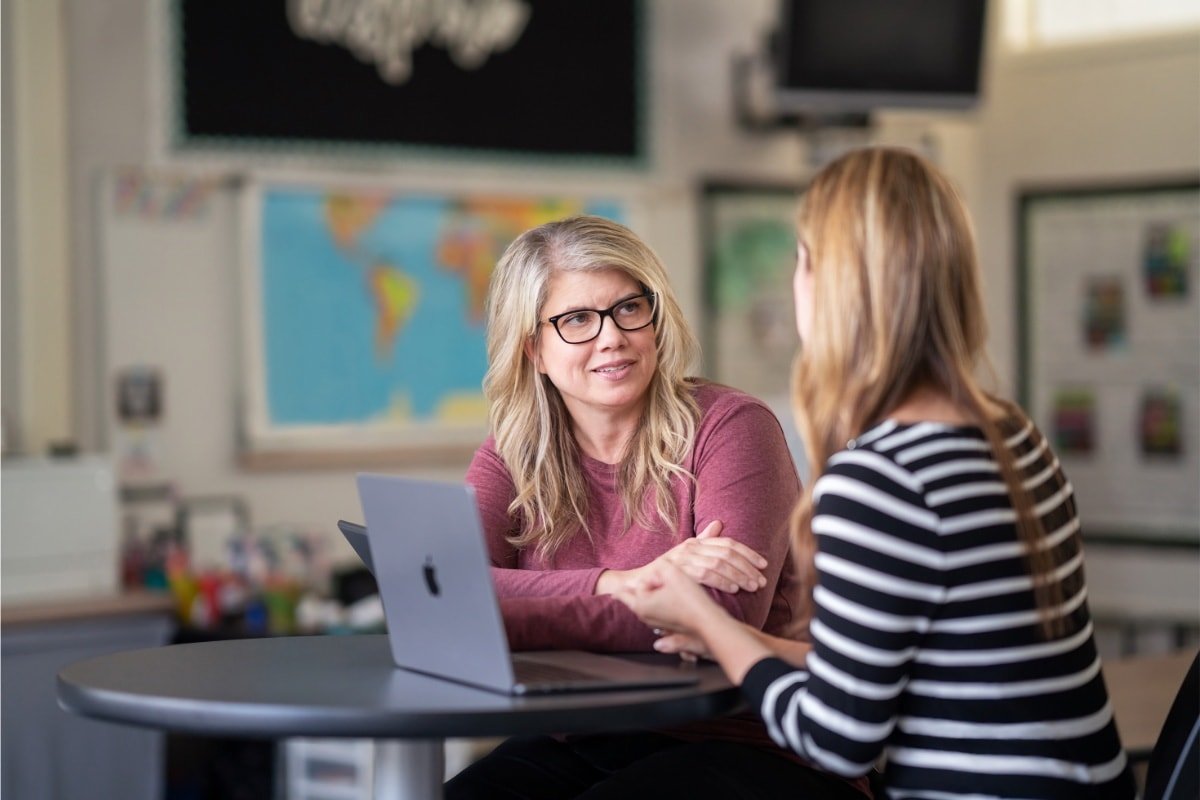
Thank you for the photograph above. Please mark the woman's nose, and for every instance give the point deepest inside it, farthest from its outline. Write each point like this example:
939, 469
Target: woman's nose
610, 335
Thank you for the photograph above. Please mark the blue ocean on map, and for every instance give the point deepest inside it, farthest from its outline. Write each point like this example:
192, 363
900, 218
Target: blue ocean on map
363, 321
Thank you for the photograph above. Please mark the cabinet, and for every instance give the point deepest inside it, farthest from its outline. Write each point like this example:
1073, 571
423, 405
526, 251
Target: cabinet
48, 754
60, 521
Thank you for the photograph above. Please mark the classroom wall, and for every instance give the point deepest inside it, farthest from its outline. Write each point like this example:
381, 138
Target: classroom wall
1083, 115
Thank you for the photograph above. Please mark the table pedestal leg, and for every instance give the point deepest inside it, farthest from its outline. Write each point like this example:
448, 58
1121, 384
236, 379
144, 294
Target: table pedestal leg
409, 770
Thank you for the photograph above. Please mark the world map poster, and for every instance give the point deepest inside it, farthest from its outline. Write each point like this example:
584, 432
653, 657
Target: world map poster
366, 311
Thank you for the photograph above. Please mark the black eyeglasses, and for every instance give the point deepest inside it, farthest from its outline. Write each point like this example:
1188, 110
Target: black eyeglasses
584, 324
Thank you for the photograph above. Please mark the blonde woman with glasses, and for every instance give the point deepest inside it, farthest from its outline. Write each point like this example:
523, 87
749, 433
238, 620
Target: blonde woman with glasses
950, 631
605, 461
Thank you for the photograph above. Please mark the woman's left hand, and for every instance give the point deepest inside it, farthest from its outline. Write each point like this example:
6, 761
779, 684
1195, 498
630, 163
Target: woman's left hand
707, 558
717, 561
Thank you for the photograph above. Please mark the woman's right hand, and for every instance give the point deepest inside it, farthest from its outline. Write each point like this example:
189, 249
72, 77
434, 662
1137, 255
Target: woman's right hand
691, 647
709, 559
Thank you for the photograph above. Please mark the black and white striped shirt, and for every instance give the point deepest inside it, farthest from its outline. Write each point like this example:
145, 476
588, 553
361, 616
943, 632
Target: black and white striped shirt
927, 646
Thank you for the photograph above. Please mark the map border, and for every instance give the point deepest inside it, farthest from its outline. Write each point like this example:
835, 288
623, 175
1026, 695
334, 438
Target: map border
266, 445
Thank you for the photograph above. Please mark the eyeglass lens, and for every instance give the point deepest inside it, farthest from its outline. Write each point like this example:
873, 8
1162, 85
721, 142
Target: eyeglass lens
576, 327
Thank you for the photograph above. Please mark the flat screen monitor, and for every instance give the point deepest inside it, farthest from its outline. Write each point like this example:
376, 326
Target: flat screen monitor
856, 56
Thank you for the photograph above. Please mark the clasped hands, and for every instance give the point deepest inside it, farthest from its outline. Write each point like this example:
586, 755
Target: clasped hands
666, 593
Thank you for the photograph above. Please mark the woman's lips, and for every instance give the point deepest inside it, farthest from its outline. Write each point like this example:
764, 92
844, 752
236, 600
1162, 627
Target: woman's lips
617, 369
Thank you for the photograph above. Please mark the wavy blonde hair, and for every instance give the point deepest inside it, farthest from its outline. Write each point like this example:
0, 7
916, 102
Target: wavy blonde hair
529, 421
896, 304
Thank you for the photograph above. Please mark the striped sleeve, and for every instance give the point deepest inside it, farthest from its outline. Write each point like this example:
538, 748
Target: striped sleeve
881, 583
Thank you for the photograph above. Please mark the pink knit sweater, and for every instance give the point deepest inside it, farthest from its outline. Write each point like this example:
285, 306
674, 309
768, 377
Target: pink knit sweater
744, 477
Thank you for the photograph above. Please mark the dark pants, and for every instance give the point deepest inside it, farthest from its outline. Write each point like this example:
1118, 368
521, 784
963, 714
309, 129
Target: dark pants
637, 765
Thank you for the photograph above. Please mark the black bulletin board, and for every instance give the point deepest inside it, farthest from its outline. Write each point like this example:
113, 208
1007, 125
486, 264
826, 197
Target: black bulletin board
570, 86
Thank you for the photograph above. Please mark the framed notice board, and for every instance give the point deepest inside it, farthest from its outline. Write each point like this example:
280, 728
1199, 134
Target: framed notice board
494, 78
1109, 311
749, 249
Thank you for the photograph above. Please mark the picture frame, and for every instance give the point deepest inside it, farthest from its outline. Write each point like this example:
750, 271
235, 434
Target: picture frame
362, 306
749, 251
1108, 313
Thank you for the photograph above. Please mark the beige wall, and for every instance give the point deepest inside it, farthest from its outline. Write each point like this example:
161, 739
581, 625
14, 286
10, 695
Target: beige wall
38, 395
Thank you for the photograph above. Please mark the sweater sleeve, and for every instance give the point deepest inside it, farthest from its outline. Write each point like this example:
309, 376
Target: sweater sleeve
494, 492
598, 623
880, 584
745, 477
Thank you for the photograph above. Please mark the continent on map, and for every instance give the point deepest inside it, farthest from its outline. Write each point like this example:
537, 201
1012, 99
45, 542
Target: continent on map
348, 215
480, 229
469, 250
395, 295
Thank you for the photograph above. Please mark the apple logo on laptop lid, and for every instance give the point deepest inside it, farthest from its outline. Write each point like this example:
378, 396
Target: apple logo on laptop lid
430, 573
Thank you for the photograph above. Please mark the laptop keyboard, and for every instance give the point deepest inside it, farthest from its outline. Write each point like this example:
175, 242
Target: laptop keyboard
534, 676
537, 673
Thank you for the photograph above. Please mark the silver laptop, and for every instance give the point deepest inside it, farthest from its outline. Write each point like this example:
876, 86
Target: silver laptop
430, 562
356, 535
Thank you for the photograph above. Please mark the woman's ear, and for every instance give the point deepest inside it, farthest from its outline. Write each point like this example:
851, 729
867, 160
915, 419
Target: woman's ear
532, 354
802, 290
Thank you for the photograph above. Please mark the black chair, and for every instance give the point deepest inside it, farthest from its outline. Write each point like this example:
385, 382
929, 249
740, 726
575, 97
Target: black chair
1173, 772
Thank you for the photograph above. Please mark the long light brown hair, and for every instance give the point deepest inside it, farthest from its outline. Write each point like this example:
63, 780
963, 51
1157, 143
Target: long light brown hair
529, 420
896, 305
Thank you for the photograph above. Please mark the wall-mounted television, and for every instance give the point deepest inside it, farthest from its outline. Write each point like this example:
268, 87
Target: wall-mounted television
857, 56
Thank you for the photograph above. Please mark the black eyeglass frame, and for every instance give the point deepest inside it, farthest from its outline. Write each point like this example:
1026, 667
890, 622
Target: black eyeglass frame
607, 312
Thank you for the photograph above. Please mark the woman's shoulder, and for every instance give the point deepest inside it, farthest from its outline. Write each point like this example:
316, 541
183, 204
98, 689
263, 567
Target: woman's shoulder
729, 412
910, 450
897, 433
718, 398
487, 458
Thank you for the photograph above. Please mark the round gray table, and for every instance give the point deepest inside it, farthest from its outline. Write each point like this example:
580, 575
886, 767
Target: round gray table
347, 686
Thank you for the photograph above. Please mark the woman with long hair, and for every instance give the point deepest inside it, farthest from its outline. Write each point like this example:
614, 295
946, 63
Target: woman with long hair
606, 460
950, 632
